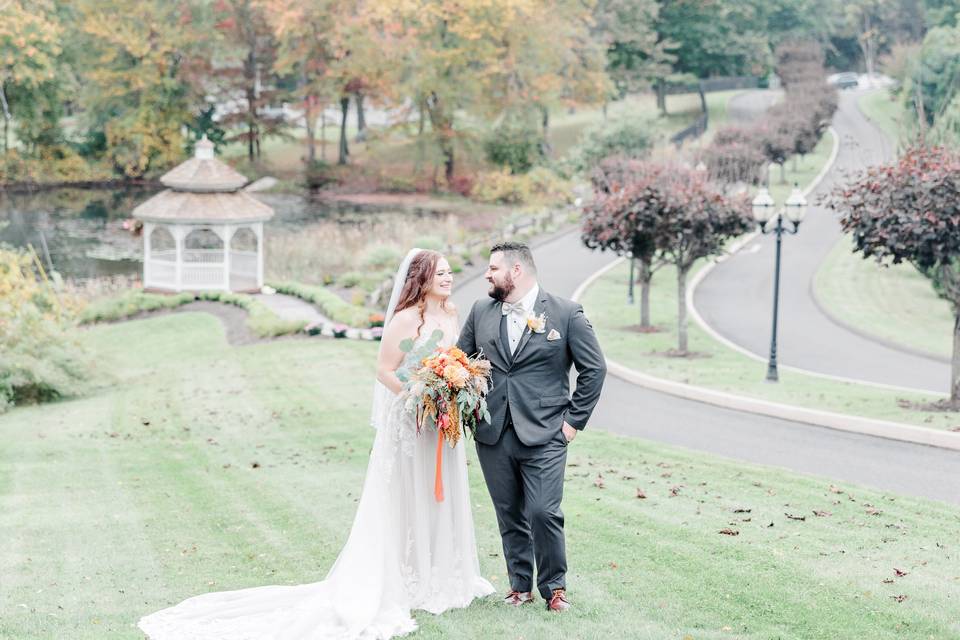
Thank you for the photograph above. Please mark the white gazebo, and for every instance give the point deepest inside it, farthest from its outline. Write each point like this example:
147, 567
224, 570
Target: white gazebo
204, 231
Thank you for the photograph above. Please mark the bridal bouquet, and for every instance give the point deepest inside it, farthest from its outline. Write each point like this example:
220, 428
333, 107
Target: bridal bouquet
446, 392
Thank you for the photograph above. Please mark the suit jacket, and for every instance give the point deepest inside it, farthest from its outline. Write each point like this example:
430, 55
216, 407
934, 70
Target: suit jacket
534, 383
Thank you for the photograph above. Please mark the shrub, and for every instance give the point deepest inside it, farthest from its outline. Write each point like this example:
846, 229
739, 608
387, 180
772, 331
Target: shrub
379, 256
631, 138
515, 144
500, 187
41, 360
329, 303
434, 243
319, 174
350, 279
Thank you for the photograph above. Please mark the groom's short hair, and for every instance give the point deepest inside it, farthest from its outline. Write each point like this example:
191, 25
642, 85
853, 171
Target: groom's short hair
516, 252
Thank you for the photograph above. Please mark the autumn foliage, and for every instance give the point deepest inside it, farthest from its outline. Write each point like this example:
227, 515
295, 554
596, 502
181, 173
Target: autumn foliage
909, 211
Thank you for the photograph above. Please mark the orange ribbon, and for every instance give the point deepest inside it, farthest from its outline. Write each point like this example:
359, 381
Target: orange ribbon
438, 482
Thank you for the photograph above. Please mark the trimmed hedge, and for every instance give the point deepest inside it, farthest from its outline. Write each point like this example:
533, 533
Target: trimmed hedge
261, 320
332, 305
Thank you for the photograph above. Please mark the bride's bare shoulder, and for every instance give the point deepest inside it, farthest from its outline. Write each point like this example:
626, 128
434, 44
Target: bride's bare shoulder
407, 317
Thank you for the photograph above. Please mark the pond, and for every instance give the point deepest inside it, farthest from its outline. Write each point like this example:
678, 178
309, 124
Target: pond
80, 232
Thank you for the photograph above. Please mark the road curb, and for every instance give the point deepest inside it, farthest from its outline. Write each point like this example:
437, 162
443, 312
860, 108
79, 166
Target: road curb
827, 419
830, 420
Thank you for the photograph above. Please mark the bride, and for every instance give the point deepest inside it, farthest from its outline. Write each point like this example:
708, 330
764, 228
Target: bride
406, 550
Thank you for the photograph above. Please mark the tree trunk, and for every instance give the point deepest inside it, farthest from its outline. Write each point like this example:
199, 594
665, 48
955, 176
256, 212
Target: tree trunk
344, 111
309, 118
644, 278
545, 149
6, 119
323, 133
361, 118
250, 75
442, 125
662, 96
682, 309
423, 117
955, 364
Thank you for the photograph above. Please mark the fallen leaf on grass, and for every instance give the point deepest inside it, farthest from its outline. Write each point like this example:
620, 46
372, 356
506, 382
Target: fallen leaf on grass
729, 532
822, 514
899, 598
899, 573
640, 494
835, 489
888, 581
873, 511
254, 465
793, 517
614, 565
742, 510
598, 483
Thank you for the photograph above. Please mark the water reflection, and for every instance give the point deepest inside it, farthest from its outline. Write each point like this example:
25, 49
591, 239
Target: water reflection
80, 231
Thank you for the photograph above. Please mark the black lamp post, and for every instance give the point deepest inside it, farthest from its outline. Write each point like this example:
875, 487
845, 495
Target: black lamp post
763, 210
630, 287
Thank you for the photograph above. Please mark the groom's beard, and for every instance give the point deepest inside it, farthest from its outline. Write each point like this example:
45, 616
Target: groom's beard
499, 292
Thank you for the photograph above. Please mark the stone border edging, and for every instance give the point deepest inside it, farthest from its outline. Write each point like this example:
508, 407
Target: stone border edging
828, 419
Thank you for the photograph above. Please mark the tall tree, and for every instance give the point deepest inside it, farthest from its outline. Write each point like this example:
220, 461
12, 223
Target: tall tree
29, 48
135, 77
247, 76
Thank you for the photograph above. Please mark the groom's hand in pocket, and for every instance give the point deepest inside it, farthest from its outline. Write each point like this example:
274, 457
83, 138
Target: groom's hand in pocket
569, 432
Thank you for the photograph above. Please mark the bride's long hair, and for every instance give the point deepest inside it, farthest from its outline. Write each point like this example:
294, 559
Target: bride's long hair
420, 275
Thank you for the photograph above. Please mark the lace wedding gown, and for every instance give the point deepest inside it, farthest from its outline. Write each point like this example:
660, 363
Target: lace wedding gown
405, 551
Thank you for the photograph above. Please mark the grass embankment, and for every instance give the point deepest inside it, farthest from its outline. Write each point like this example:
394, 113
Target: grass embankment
215, 468
885, 111
397, 153
895, 304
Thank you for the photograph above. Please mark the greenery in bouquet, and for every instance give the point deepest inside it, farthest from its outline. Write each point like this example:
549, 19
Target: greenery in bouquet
445, 388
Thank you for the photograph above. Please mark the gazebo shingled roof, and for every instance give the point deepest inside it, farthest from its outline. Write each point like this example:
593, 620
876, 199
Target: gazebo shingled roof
203, 208
203, 173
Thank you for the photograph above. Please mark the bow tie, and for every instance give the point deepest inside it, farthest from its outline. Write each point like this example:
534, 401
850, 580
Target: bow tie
515, 308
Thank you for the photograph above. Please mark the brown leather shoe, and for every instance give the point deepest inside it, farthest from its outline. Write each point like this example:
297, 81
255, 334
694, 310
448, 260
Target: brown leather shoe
517, 598
558, 601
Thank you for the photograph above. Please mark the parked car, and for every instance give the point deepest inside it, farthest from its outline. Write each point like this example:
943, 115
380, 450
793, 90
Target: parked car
845, 80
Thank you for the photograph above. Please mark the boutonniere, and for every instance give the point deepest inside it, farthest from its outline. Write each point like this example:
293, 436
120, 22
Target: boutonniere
537, 324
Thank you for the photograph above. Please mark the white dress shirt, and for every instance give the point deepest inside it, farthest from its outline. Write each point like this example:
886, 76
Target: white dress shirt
516, 323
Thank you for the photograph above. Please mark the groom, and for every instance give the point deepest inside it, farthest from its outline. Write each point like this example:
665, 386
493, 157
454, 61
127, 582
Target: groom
532, 338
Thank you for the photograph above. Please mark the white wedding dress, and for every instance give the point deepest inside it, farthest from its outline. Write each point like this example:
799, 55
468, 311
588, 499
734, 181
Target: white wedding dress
406, 551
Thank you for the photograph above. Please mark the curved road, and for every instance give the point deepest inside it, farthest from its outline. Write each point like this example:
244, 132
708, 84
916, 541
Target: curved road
630, 410
735, 298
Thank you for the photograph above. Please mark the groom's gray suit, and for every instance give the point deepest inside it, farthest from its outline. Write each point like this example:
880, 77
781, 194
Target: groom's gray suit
522, 450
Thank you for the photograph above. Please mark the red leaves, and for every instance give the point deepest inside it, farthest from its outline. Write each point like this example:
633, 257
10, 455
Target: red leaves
641, 495
899, 573
729, 532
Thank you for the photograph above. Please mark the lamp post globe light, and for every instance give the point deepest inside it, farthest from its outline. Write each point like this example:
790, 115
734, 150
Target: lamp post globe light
764, 209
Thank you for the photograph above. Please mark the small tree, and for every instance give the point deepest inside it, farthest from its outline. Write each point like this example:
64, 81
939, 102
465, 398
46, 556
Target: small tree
909, 211
612, 223
693, 221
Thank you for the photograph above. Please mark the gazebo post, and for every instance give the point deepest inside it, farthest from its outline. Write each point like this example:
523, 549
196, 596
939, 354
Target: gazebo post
259, 232
178, 240
147, 240
228, 230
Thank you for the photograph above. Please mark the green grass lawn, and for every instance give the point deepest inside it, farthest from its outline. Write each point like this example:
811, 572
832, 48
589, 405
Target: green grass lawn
895, 303
885, 111
721, 368
396, 153
145, 493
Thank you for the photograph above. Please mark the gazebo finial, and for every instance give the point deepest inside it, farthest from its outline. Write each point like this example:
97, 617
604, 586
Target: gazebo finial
203, 149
